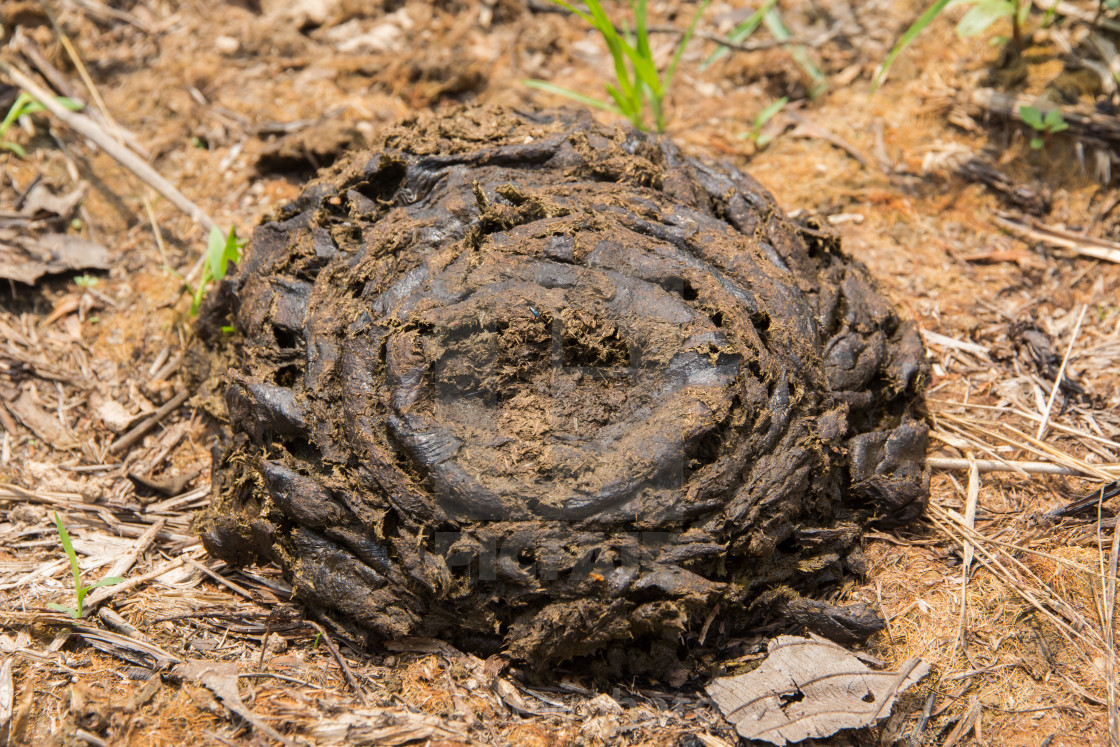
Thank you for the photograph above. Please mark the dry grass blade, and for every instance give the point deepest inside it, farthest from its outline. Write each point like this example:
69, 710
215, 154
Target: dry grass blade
1109, 594
1061, 374
971, 499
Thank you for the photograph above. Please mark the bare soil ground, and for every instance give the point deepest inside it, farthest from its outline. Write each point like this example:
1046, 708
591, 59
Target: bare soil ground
237, 103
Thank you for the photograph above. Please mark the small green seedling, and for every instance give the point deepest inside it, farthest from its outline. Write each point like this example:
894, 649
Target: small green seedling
85, 281
764, 116
637, 81
220, 251
24, 105
1044, 126
79, 590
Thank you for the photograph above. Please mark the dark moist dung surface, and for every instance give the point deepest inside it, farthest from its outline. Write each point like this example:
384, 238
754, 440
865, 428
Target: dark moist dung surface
532, 384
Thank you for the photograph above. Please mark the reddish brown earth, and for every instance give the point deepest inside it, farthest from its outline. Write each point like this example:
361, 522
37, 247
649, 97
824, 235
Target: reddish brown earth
239, 104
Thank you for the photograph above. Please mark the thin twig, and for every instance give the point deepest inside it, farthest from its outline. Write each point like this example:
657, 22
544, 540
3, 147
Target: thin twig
223, 581
1109, 629
991, 465
125, 157
346, 673
124, 563
971, 499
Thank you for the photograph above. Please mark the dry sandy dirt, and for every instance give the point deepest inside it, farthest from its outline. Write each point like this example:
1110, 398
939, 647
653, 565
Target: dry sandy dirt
999, 250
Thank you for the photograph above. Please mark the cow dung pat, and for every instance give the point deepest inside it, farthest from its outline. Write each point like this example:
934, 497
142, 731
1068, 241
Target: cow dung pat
529, 383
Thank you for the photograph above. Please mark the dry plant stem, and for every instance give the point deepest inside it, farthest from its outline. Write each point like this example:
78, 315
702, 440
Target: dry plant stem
124, 563
1030, 443
1029, 416
1061, 373
84, 74
222, 581
971, 500
87, 127
991, 465
1071, 634
1079, 243
1109, 584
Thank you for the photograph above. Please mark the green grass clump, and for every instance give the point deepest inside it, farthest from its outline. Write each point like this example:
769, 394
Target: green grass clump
80, 590
637, 80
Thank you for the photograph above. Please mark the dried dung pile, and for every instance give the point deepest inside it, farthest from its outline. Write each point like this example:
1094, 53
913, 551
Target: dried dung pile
529, 383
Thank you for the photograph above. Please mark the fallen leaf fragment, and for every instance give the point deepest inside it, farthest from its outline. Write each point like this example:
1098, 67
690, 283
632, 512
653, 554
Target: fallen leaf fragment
809, 688
25, 259
41, 200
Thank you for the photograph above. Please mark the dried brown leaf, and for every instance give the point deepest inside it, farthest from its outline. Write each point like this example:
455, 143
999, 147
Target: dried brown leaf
809, 688
26, 260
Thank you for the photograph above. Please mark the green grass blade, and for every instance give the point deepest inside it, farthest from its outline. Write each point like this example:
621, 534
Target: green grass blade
908, 36
231, 252
544, 85
597, 19
627, 108
684, 43
982, 15
63, 608
641, 35
741, 32
14, 148
215, 248
106, 582
645, 71
572, 9
777, 27
69, 548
